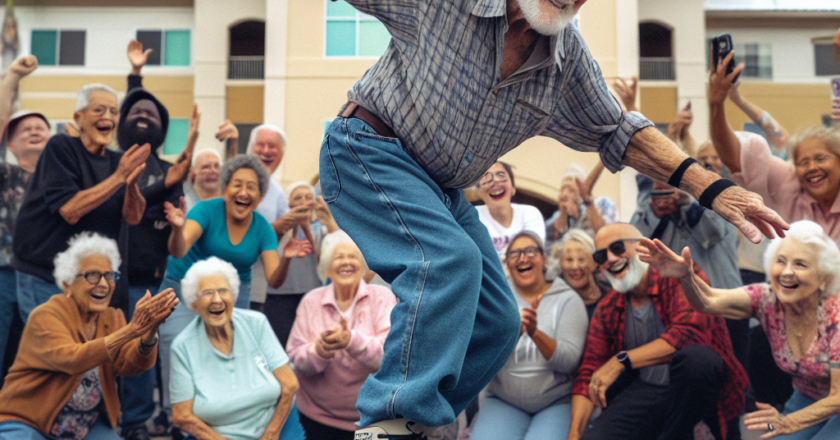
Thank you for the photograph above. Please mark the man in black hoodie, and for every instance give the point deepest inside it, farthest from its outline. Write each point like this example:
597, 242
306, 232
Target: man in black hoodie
144, 119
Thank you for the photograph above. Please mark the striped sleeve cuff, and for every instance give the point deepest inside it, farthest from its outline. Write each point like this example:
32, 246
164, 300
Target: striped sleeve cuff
612, 152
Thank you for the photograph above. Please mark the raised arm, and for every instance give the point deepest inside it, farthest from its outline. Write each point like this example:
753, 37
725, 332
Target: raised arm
276, 268
137, 57
729, 303
20, 68
131, 165
585, 189
723, 137
184, 232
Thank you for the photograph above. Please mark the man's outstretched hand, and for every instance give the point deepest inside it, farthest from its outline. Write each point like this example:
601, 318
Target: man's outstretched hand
746, 210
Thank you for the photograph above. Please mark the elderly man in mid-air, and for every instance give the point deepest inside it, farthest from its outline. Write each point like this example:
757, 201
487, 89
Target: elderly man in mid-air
461, 83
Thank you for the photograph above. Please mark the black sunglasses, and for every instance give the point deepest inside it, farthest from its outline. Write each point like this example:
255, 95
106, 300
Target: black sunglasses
616, 247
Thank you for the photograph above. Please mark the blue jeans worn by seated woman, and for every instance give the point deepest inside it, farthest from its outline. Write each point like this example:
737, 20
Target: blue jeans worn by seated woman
499, 420
177, 322
828, 429
100, 430
292, 429
457, 321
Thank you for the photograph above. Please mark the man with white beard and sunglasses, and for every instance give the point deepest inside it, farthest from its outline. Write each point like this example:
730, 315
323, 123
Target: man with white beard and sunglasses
461, 83
654, 365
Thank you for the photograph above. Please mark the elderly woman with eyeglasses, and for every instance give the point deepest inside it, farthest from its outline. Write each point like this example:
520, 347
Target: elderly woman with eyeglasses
230, 376
799, 310
502, 218
63, 381
337, 339
530, 397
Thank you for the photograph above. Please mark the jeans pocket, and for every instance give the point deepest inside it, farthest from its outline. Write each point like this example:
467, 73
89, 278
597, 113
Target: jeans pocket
330, 183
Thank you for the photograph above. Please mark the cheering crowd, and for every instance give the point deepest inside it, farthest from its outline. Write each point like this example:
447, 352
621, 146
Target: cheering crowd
253, 312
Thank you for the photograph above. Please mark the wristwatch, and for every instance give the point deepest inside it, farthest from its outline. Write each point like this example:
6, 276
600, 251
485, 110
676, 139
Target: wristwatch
625, 360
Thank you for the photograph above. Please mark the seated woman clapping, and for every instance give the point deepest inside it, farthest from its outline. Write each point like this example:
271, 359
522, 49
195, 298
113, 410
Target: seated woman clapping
337, 339
230, 377
530, 397
799, 310
62, 383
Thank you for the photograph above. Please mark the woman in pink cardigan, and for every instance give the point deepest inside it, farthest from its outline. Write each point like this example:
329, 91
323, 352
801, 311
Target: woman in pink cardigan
337, 340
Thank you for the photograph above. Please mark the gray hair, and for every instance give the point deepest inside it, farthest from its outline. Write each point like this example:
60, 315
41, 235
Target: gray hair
85, 244
204, 268
576, 235
811, 234
83, 98
245, 161
253, 138
574, 171
328, 245
205, 151
829, 135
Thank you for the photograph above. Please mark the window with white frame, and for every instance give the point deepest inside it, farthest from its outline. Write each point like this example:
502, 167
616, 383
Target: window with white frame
757, 59
169, 47
55, 47
350, 33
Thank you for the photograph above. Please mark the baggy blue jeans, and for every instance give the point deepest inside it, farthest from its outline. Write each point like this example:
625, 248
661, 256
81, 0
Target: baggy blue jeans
456, 321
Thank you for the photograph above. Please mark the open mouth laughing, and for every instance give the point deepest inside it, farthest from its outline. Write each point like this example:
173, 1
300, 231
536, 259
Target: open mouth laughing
618, 267
266, 159
219, 311
497, 192
105, 127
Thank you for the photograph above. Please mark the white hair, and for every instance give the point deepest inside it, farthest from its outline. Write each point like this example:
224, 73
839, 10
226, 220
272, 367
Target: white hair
556, 253
299, 184
209, 267
280, 133
812, 235
575, 171
83, 98
204, 151
85, 244
328, 245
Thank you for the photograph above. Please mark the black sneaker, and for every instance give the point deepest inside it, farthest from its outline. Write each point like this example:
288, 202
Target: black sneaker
135, 432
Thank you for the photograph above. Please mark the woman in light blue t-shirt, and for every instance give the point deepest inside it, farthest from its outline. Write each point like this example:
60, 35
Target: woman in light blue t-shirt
227, 228
230, 376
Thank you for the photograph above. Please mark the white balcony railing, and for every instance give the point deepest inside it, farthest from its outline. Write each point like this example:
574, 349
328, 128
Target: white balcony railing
246, 67
658, 69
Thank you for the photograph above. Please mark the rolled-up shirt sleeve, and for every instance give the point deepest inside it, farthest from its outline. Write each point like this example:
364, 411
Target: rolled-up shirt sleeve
588, 117
766, 175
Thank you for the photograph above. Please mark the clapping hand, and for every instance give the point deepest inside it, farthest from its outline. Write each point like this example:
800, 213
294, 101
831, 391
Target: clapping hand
332, 340
151, 311
296, 248
133, 162
175, 215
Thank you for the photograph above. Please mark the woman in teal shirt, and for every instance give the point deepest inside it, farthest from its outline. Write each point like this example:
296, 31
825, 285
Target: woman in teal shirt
227, 228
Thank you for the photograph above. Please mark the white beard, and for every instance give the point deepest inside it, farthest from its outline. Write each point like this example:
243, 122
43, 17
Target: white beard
545, 18
636, 269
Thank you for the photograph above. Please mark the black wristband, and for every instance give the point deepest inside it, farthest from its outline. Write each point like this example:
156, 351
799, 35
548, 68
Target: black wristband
676, 178
711, 193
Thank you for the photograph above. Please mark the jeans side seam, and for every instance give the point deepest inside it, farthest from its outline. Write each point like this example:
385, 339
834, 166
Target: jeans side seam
421, 281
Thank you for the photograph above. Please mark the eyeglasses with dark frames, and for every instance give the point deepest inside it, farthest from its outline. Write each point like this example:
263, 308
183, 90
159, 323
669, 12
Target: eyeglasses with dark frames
530, 252
488, 178
617, 248
93, 276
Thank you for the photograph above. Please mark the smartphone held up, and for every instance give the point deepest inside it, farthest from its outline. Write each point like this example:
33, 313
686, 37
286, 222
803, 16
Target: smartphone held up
721, 46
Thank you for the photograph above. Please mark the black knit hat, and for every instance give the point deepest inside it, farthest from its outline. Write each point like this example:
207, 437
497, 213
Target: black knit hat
139, 94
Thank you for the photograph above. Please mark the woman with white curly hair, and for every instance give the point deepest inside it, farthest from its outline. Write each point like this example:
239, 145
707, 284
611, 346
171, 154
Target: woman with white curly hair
337, 340
63, 381
224, 390
799, 310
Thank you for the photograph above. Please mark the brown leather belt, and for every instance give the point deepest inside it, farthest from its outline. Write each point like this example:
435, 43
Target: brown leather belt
353, 110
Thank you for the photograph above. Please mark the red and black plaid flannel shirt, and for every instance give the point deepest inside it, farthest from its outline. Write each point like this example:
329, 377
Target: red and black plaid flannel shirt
684, 327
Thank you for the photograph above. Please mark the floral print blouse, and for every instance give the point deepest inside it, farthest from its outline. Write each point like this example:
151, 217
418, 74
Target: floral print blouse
78, 416
811, 372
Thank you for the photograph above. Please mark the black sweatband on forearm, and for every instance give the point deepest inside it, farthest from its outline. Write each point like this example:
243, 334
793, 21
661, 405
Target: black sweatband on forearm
676, 178
711, 193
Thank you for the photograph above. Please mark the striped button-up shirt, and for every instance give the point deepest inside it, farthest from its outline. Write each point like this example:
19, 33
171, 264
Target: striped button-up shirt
437, 86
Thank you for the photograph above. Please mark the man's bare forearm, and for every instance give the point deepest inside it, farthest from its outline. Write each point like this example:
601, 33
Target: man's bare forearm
7, 93
653, 155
